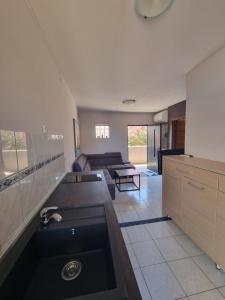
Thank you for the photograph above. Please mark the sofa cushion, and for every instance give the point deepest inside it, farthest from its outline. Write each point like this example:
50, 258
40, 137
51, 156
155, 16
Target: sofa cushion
108, 158
115, 158
80, 163
76, 167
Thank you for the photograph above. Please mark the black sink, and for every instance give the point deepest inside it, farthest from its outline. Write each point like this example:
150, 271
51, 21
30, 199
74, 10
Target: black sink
86, 241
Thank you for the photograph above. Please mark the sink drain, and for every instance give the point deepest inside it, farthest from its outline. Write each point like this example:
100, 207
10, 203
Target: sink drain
71, 270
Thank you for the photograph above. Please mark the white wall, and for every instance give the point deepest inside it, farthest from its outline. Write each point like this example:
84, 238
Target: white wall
205, 116
118, 130
32, 93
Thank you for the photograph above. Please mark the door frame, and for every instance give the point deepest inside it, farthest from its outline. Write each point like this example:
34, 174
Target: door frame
171, 133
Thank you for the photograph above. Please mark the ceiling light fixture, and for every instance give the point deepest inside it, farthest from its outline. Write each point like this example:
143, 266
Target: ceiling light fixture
129, 101
151, 8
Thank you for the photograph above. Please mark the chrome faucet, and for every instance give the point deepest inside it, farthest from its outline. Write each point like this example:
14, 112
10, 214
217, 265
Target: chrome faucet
44, 215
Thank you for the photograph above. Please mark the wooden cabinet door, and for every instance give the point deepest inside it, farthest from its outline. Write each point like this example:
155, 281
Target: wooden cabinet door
222, 183
220, 231
172, 197
199, 213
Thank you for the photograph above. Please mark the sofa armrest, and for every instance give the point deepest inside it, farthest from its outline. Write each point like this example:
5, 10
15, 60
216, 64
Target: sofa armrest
126, 162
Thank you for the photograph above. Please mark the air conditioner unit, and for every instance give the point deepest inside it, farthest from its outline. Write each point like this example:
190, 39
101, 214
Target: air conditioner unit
161, 117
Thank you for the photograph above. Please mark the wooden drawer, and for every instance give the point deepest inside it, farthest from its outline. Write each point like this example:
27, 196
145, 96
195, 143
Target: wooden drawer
199, 198
175, 169
207, 178
222, 183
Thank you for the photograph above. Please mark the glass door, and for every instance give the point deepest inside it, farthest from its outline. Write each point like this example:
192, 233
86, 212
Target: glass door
154, 145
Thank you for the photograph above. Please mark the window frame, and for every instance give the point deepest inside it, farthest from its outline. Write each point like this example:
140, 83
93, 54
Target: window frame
102, 133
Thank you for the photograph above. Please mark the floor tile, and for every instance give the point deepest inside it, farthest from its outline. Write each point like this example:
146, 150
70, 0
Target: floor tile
158, 230
162, 229
161, 283
137, 233
132, 257
175, 230
189, 246
119, 219
147, 253
209, 268
191, 278
125, 236
209, 295
170, 248
142, 285
128, 216
222, 291
145, 213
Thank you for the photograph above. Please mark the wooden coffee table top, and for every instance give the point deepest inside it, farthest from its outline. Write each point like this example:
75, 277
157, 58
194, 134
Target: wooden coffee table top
126, 172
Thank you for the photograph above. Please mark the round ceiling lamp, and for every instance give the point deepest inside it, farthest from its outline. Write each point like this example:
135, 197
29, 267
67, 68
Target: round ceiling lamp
151, 8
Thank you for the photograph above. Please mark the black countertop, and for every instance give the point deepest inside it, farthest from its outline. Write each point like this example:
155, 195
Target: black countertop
72, 195
96, 192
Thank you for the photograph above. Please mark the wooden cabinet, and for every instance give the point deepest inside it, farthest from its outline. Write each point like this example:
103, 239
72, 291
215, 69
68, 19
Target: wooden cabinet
220, 230
194, 197
172, 196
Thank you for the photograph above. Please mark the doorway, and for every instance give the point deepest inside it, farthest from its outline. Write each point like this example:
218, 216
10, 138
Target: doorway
137, 144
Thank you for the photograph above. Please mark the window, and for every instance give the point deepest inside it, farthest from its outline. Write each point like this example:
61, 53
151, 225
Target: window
102, 131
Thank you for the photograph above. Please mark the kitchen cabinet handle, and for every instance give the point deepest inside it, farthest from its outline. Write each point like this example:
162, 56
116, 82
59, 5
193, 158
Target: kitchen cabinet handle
182, 171
200, 188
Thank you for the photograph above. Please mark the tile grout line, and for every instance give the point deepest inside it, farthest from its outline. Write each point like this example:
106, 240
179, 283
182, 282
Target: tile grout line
218, 289
214, 287
186, 250
165, 261
140, 269
190, 257
171, 271
145, 283
204, 272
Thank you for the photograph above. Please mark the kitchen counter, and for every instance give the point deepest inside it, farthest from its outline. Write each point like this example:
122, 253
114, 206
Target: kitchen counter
86, 193
74, 195
80, 193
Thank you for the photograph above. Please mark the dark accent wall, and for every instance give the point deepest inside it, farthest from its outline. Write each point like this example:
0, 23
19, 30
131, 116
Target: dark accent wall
175, 111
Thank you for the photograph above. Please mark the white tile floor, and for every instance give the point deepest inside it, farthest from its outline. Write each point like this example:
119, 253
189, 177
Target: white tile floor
167, 264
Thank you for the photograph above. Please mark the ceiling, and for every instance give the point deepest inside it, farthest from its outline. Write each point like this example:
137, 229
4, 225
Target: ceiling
107, 53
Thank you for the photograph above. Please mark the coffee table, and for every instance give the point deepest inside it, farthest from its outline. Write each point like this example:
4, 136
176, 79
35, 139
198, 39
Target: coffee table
129, 175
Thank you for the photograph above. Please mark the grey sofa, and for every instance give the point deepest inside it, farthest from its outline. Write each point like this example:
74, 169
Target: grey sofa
108, 162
